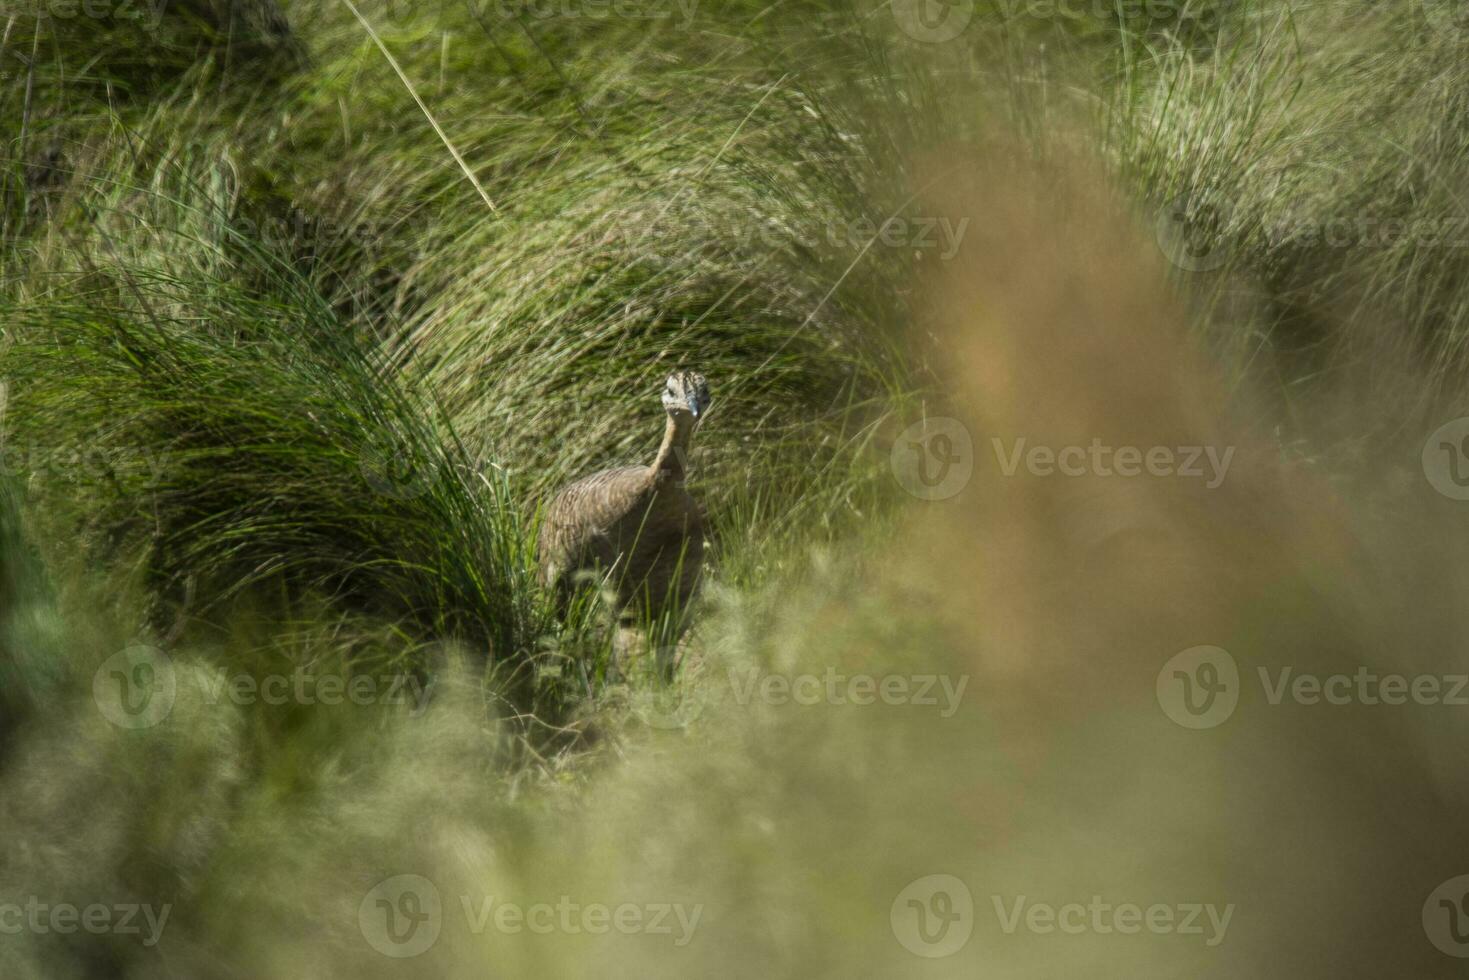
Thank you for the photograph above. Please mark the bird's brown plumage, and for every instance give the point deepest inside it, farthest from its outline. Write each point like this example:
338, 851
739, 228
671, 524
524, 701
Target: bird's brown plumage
637, 523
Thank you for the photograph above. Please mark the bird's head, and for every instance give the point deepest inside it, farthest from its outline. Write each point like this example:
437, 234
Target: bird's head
686, 392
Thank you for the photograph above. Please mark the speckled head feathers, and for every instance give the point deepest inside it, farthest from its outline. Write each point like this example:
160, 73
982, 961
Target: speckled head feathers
686, 391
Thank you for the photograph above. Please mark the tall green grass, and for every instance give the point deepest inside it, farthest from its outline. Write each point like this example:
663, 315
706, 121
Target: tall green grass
535, 335
284, 392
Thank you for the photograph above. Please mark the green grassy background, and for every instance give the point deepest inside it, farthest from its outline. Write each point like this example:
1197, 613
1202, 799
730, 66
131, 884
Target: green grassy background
284, 387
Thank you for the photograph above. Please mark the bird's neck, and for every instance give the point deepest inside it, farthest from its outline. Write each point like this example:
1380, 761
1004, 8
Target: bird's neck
673, 455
